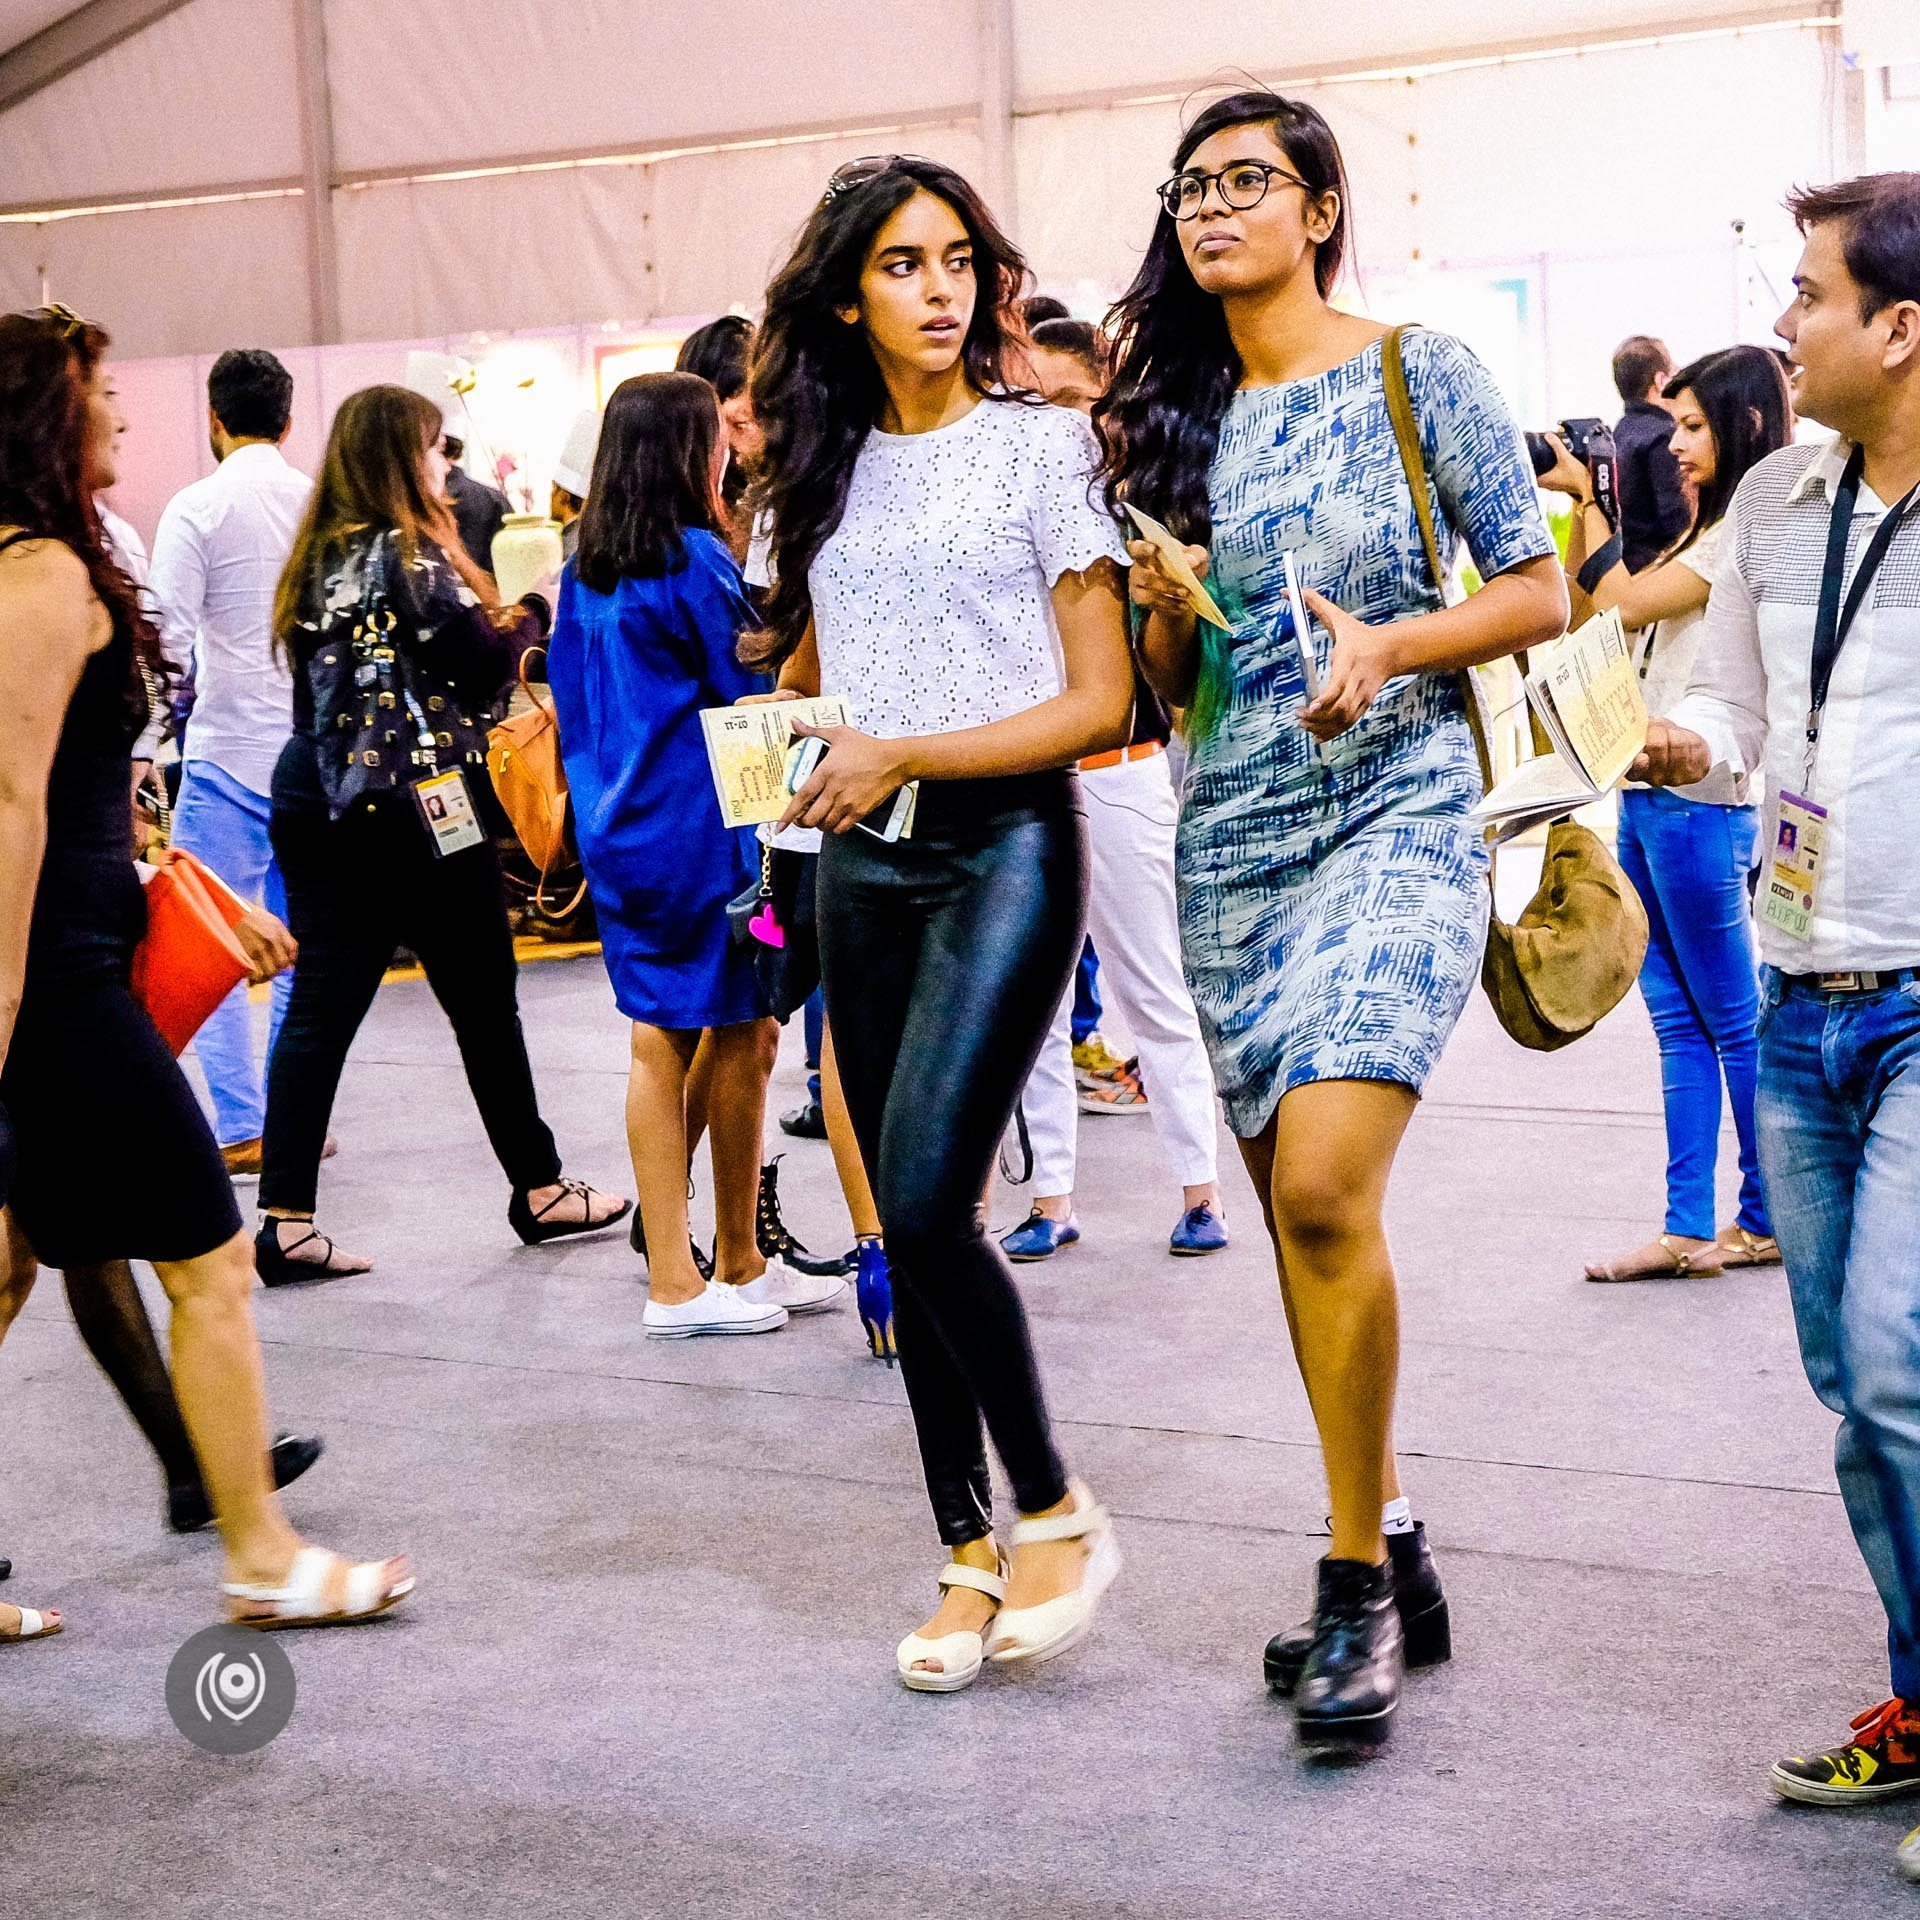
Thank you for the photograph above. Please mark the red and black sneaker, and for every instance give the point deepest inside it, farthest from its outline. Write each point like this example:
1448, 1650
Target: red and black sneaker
1881, 1760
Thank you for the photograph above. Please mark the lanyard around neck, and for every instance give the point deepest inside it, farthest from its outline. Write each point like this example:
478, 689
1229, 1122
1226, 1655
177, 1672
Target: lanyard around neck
1833, 621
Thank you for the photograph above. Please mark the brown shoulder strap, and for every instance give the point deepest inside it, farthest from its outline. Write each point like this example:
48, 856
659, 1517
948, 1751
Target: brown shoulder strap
1406, 434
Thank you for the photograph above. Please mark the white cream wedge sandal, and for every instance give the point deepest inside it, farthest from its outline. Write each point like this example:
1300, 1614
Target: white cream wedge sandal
33, 1626
321, 1590
1033, 1634
961, 1655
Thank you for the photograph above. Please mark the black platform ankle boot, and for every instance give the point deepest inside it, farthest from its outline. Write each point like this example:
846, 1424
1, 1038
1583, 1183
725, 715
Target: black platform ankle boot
1350, 1684
1416, 1593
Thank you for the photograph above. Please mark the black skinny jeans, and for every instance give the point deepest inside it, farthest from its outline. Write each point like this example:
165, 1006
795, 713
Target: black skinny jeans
944, 957
357, 888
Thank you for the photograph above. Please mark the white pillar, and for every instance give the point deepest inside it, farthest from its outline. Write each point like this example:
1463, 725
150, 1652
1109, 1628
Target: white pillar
996, 111
316, 149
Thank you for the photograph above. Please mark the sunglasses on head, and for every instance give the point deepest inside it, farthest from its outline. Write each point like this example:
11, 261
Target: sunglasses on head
856, 173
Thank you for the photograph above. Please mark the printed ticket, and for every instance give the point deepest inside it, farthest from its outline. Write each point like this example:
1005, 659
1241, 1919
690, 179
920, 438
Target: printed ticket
1173, 558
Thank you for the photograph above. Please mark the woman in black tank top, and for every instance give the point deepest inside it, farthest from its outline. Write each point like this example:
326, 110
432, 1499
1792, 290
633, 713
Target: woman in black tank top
113, 1158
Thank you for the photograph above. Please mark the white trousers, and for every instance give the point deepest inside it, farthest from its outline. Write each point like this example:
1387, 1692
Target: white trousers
1131, 812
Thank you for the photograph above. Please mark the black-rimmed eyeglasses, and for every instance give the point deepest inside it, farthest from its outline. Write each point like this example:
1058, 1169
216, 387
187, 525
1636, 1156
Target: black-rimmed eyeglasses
1242, 185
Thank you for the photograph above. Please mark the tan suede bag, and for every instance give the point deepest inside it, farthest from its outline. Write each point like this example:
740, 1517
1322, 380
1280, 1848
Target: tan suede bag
523, 757
1575, 952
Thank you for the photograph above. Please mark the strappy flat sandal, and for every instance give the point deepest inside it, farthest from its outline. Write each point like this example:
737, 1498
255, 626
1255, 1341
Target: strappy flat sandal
278, 1267
321, 1590
1748, 1249
536, 1228
33, 1626
962, 1654
1033, 1634
1683, 1263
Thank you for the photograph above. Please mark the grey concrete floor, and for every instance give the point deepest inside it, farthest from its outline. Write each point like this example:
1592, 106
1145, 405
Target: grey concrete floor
649, 1668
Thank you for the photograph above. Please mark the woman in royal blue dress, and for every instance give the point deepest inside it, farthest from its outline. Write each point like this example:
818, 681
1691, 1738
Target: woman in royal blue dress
1333, 895
651, 610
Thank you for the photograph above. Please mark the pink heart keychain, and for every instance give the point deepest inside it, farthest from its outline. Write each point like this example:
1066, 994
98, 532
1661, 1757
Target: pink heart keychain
766, 929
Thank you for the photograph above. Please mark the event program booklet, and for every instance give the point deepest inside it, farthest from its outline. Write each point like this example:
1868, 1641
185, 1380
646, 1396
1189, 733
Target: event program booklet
749, 750
1588, 699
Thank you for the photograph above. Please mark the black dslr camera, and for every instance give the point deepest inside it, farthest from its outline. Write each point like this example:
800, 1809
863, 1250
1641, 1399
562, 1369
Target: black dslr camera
1591, 443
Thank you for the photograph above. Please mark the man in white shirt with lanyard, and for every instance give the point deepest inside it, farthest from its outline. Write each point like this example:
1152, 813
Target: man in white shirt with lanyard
1809, 666
217, 559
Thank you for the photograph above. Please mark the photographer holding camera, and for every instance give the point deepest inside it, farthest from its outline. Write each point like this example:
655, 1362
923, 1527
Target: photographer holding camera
1655, 511
1690, 852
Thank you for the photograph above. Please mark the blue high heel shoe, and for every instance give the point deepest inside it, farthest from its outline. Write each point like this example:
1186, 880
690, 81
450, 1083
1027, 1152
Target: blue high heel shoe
873, 1294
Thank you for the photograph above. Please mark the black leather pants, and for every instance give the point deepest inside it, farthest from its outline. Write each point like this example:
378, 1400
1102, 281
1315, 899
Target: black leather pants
944, 957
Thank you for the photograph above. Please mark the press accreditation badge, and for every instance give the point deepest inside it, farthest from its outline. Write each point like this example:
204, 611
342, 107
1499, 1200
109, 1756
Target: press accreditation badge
1793, 872
447, 807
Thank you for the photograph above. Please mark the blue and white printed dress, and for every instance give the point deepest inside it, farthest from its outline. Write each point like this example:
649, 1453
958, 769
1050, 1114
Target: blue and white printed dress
1333, 909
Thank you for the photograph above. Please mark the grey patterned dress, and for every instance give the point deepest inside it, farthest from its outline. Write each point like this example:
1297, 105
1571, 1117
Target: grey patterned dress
1333, 905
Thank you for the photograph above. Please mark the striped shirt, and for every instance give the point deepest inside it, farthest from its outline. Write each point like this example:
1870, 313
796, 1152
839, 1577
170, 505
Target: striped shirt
1750, 690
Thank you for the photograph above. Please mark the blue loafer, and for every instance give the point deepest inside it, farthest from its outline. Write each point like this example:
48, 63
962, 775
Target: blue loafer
1038, 1238
1200, 1230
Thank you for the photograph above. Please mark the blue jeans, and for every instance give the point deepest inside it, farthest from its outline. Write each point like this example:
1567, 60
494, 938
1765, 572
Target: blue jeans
1689, 863
224, 825
1086, 993
814, 1018
1839, 1113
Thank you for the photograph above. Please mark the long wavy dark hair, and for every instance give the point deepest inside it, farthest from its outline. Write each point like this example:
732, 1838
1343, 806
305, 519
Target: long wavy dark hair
817, 389
652, 479
1175, 368
47, 363
373, 479
1743, 397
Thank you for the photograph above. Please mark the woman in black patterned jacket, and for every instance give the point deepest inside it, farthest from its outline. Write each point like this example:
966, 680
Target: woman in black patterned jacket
383, 820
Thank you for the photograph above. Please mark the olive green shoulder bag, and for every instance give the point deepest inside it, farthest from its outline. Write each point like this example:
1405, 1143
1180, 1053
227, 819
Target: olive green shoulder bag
1571, 957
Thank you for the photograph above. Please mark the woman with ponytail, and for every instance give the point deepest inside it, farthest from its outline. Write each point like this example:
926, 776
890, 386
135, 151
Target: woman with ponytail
1333, 893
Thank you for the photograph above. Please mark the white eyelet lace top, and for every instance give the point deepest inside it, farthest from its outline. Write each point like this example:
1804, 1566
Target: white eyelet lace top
931, 601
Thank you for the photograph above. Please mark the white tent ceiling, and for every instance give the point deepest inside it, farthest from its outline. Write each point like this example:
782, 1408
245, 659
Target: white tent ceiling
362, 169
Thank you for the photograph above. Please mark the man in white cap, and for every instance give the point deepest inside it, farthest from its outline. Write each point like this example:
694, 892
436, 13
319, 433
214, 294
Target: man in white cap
572, 475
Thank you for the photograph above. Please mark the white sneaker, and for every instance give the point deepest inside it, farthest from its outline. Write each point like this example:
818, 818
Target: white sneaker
716, 1309
1906, 1859
785, 1286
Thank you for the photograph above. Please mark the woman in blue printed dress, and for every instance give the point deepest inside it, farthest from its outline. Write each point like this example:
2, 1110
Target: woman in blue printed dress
1333, 892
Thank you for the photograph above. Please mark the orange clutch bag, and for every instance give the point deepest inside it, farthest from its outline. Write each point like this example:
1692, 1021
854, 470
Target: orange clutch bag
190, 959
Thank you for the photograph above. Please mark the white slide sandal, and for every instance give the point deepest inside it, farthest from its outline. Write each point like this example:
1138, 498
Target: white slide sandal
961, 1655
1033, 1634
321, 1590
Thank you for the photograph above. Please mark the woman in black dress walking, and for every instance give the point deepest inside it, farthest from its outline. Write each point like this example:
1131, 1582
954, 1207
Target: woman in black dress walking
114, 1158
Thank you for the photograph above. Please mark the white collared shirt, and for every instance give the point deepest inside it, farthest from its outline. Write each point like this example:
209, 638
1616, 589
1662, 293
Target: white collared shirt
1750, 690
217, 559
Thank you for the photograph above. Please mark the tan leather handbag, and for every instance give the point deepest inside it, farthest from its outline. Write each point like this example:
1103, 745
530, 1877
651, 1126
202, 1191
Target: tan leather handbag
530, 781
1572, 956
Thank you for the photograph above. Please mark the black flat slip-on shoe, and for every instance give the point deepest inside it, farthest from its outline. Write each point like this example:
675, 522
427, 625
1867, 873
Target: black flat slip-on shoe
1349, 1688
1424, 1623
775, 1238
189, 1509
535, 1229
637, 1240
